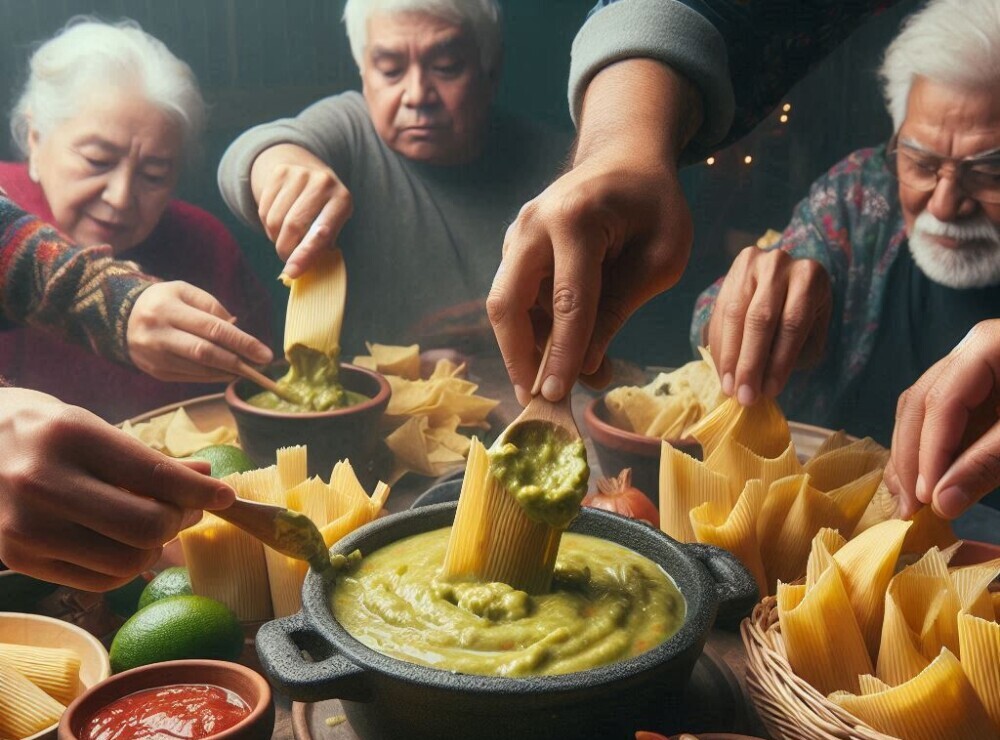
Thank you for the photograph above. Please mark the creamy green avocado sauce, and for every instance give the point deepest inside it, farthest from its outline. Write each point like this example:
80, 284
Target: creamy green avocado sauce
312, 379
607, 604
545, 470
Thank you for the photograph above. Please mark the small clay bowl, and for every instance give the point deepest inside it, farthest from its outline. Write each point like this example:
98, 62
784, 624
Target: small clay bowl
247, 684
350, 433
618, 449
35, 630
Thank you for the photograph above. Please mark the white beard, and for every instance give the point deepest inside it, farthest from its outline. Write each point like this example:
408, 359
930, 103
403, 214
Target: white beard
974, 263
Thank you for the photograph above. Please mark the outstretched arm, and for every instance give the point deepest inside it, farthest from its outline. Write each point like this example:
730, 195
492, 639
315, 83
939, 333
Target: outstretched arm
84, 504
173, 331
605, 237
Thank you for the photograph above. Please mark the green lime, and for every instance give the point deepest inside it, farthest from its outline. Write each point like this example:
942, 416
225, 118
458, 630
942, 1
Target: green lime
225, 459
170, 582
174, 628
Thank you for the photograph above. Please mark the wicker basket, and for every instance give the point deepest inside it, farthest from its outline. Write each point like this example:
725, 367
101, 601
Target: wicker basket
789, 707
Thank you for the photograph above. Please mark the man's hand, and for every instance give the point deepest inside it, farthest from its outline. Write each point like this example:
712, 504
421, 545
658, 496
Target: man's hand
177, 332
81, 502
946, 443
301, 202
605, 237
772, 315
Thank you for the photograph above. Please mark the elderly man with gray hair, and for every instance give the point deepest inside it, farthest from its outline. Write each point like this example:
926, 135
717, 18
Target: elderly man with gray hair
890, 261
415, 178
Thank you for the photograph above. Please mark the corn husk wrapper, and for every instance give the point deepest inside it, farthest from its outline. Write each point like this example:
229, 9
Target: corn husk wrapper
315, 313
979, 640
760, 428
807, 618
24, 708
795, 511
686, 483
740, 464
492, 538
175, 434
734, 529
939, 703
54, 670
921, 613
928, 530
831, 469
227, 564
337, 508
867, 563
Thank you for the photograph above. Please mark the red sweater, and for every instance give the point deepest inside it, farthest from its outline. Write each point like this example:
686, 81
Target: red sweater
188, 244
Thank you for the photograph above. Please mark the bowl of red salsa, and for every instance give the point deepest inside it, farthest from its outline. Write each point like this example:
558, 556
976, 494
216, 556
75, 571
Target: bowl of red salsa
183, 699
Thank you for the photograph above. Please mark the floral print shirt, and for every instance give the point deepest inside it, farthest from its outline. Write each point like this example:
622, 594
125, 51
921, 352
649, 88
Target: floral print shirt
851, 222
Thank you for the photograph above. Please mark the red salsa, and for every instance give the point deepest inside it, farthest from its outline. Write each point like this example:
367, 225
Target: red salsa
182, 711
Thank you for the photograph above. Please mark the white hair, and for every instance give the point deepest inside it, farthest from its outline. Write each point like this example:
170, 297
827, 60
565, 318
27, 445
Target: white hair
482, 17
955, 42
974, 263
89, 54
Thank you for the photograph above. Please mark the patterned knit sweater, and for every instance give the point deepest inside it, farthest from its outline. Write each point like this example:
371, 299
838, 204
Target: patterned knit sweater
82, 295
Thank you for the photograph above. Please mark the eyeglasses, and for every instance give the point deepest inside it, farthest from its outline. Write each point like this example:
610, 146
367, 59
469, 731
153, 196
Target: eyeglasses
978, 177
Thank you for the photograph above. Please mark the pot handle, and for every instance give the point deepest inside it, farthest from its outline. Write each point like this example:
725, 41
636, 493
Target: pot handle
280, 644
735, 588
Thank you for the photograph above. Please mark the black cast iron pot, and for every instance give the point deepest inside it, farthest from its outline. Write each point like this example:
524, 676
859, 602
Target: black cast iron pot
389, 699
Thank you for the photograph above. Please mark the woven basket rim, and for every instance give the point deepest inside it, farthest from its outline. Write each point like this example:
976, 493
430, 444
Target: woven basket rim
788, 705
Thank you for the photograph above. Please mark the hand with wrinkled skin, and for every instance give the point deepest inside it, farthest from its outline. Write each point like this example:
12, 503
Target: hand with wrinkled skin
177, 332
82, 503
301, 202
771, 316
946, 442
604, 238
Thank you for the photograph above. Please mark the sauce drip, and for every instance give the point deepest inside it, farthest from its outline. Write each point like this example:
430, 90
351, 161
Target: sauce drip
186, 711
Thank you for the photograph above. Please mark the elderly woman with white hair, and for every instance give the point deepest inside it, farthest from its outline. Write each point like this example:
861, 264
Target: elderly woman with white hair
415, 178
888, 263
106, 119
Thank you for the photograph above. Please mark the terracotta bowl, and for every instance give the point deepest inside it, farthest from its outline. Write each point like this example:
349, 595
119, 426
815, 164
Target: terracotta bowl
617, 449
38, 631
249, 685
351, 433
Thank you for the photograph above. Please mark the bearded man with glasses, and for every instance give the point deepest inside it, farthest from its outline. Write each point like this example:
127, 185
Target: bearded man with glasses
888, 263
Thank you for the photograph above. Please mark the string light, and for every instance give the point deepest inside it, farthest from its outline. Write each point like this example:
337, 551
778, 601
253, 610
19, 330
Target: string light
783, 118
710, 161
786, 107
747, 159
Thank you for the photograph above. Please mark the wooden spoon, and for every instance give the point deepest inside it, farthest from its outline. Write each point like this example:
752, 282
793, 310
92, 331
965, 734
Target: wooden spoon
542, 411
268, 384
286, 531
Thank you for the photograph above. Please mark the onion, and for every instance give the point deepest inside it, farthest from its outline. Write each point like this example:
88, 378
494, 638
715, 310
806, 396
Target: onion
619, 496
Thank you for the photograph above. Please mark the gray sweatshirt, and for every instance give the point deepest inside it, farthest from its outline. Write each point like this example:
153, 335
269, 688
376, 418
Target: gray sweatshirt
423, 238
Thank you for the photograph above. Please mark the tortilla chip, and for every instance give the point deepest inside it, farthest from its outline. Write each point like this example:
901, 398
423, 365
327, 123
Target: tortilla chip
176, 435
391, 360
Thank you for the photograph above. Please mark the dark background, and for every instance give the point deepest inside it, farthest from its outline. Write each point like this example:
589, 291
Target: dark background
258, 60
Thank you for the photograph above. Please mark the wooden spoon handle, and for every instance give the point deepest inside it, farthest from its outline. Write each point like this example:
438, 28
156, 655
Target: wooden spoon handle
263, 381
536, 387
